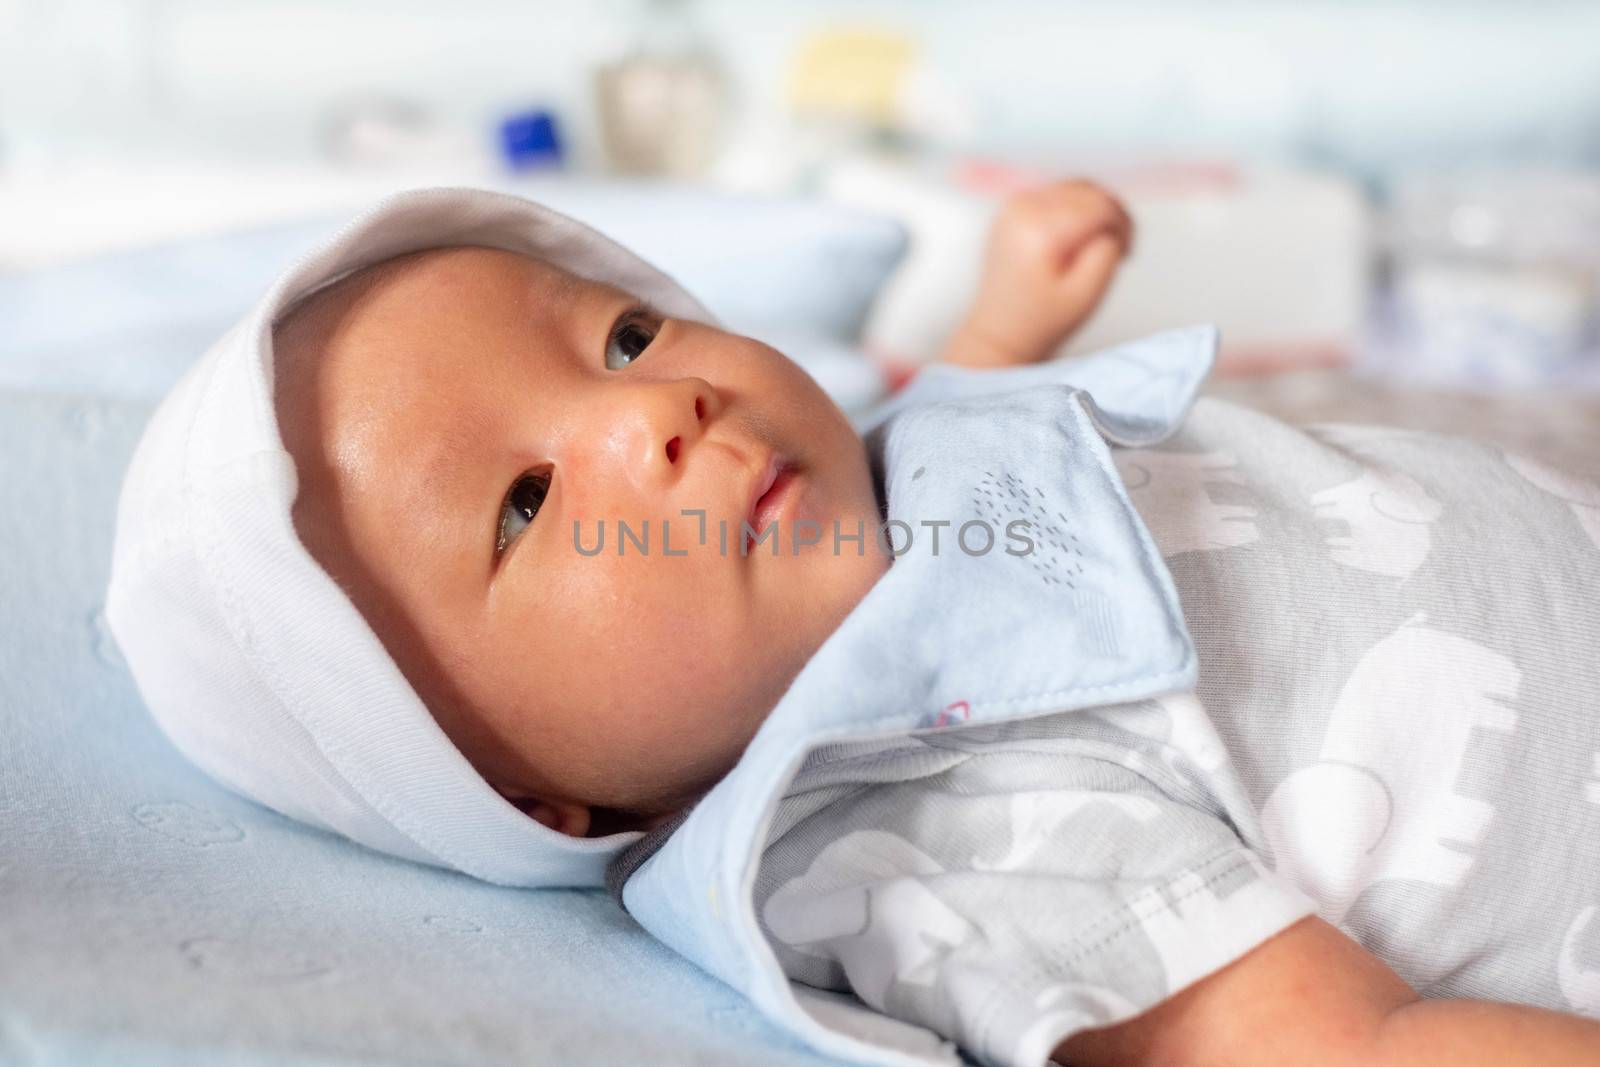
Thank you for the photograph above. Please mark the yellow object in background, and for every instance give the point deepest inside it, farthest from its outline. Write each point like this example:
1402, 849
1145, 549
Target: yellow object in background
852, 72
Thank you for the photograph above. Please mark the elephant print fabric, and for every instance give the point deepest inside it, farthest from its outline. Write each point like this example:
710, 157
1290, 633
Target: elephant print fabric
1396, 727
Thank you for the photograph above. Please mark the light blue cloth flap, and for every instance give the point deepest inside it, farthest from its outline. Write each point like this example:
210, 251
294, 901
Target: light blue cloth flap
1138, 392
1085, 615
150, 918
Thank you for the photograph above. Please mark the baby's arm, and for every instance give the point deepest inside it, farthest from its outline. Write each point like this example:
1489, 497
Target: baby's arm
1052, 254
1311, 996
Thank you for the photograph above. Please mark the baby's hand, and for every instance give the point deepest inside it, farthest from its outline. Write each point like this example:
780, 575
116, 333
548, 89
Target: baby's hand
1052, 254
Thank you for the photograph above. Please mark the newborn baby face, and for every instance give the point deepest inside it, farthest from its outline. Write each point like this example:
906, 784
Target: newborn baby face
464, 420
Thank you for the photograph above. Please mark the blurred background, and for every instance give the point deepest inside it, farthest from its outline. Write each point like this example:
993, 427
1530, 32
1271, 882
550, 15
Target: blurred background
1407, 191
1390, 207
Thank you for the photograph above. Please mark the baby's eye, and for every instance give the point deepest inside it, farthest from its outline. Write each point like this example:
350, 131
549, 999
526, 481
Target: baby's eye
521, 505
629, 338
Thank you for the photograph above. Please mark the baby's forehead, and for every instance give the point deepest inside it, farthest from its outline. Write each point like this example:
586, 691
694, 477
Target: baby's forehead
424, 273
357, 313
420, 344
365, 360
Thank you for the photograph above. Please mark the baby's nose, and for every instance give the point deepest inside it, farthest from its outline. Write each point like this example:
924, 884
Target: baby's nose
669, 418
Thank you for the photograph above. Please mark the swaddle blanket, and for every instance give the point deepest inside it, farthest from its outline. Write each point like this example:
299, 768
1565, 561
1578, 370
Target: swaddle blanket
1025, 584
1397, 726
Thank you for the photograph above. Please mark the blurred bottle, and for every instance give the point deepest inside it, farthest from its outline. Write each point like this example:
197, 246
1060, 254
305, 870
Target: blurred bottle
662, 104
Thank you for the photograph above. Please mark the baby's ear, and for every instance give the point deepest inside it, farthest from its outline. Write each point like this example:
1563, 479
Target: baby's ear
561, 816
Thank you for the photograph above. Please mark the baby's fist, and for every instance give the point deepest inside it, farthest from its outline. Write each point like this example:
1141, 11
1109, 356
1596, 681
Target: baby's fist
1052, 253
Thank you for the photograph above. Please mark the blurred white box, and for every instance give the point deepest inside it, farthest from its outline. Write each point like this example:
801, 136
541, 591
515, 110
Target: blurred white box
1280, 260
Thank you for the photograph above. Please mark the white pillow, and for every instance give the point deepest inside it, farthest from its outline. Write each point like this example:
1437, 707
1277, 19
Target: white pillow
798, 273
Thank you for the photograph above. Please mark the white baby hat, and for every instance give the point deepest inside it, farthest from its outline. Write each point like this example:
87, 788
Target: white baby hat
247, 653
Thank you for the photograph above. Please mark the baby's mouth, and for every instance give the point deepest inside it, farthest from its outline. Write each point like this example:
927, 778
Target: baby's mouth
780, 481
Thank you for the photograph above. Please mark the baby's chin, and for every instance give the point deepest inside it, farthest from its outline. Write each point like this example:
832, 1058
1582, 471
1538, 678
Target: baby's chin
687, 766
656, 773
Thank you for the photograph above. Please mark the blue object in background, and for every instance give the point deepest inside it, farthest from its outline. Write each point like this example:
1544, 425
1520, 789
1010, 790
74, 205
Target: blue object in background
530, 139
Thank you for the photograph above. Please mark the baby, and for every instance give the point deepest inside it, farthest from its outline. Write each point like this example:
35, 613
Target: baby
596, 690
611, 553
